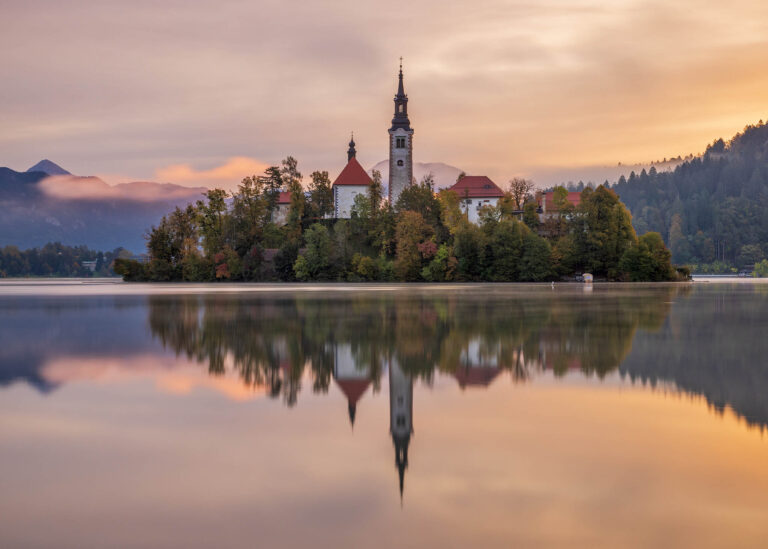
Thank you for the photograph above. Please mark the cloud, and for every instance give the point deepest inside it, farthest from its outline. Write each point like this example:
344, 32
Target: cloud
72, 187
226, 176
171, 375
500, 89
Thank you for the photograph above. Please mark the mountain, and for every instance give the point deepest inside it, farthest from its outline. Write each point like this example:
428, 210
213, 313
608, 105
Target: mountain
38, 208
46, 166
709, 208
444, 175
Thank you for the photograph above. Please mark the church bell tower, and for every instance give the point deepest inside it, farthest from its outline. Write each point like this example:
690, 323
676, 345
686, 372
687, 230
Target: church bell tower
400, 417
400, 145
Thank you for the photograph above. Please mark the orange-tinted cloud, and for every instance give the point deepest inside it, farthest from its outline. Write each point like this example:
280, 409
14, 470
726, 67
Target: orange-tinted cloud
226, 176
171, 375
70, 187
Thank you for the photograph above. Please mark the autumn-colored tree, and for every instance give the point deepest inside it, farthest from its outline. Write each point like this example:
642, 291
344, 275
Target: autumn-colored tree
421, 198
520, 190
411, 231
451, 215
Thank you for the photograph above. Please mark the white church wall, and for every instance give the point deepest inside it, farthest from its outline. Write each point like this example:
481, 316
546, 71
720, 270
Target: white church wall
472, 207
344, 199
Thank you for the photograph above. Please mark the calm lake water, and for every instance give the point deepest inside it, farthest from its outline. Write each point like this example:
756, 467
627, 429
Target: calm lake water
383, 416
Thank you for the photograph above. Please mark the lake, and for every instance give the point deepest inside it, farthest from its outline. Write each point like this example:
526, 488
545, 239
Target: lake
488, 415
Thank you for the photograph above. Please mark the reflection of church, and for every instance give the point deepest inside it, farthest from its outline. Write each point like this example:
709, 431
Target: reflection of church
354, 381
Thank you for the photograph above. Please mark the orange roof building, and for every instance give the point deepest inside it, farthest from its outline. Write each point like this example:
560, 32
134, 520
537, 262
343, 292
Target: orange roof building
476, 192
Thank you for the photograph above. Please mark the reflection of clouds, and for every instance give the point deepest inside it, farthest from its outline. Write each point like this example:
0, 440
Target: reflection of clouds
170, 374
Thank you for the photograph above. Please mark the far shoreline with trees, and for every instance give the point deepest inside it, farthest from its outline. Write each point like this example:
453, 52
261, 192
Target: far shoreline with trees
424, 237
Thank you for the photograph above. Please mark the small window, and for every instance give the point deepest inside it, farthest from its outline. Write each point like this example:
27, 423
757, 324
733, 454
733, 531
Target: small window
400, 421
400, 142
401, 108
400, 399
469, 201
399, 162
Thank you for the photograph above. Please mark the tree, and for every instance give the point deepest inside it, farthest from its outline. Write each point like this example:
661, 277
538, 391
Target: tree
469, 249
451, 215
603, 232
411, 231
761, 269
531, 216
536, 263
421, 198
248, 215
272, 184
313, 263
210, 219
520, 190
320, 195
504, 250
750, 254
442, 268
648, 260
292, 180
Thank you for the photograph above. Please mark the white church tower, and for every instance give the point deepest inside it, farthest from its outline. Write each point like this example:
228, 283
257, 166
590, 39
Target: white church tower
400, 416
400, 145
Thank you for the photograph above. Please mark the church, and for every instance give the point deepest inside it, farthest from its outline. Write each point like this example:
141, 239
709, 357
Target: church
354, 180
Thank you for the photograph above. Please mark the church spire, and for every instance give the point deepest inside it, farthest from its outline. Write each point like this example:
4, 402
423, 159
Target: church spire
400, 91
351, 152
400, 120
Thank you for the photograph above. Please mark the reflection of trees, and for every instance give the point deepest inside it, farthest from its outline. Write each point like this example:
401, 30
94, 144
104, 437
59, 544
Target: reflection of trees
275, 343
713, 345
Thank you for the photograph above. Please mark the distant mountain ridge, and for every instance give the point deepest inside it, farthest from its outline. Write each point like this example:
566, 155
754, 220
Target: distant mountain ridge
51, 168
49, 204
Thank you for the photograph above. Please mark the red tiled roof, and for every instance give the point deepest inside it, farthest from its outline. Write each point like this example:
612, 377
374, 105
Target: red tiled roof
353, 389
477, 186
549, 196
479, 376
353, 174
284, 197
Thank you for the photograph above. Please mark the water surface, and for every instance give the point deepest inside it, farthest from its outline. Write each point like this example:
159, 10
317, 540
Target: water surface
490, 415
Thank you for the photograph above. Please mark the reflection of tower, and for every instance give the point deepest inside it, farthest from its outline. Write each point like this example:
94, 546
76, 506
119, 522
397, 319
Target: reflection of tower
400, 416
352, 381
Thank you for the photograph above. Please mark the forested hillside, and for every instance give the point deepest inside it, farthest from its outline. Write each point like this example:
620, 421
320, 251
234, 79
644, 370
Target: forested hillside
712, 210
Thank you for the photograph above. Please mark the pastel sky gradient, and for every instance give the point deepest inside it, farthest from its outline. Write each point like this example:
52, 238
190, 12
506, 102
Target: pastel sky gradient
193, 91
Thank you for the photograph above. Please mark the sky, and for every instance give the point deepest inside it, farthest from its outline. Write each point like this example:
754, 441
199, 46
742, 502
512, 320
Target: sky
204, 92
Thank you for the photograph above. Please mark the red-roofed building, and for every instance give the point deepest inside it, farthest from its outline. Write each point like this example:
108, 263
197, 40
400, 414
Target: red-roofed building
476, 376
352, 381
547, 206
280, 215
475, 192
352, 181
